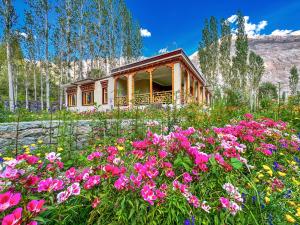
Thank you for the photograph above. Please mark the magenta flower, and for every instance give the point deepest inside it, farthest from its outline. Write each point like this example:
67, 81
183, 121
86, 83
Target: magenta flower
35, 206
91, 182
14, 218
187, 178
70, 173
50, 184
32, 222
52, 156
121, 182
8, 200
224, 202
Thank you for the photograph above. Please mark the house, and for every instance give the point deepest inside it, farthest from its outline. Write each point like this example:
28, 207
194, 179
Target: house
169, 78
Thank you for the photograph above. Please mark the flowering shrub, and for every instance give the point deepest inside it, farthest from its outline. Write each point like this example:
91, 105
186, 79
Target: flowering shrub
242, 173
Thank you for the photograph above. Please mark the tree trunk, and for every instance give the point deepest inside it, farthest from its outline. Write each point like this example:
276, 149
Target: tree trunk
10, 77
26, 88
60, 87
47, 66
42, 91
34, 81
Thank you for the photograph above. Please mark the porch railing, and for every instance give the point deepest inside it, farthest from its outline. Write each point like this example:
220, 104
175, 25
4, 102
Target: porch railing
142, 99
162, 97
121, 101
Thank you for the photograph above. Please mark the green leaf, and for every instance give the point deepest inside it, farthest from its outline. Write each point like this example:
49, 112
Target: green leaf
236, 164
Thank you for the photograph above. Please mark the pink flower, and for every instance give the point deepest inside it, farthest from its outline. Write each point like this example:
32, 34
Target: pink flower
91, 182
248, 116
63, 196
234, 208
32, 222
10, 173
32, 180
32, 160
121, 182
14, 218
205, 207
74, 189
52, 156
96, 202
94, 155
187, 178
169, 173
70, 173
35, 206
50, 184
8, 200
148, 194
162, 154
224, 202
193, 200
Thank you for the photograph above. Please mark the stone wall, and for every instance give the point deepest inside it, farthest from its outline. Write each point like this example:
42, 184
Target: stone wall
30, 132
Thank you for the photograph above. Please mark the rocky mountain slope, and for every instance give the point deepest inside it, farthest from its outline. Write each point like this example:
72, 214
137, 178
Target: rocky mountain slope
280, 53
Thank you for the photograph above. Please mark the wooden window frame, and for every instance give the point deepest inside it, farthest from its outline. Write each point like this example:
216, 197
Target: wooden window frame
70, 100
84, 98
104, 92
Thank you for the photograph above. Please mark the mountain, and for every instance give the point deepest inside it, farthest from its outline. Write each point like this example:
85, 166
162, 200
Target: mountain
280, 53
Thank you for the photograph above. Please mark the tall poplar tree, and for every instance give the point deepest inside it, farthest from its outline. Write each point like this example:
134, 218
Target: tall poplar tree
9, 17
293, 80
239, 67
256, 70
225, 56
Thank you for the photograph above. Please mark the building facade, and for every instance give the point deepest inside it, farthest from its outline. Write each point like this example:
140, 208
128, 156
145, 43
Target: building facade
170, 78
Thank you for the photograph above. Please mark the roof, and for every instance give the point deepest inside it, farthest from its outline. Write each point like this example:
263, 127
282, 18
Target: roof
177, 54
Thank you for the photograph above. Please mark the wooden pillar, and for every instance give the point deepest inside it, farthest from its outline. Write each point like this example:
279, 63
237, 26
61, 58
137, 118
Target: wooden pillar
193, 98
115, 90
132, 90
204, 95
198, 92
150, 71
188, 87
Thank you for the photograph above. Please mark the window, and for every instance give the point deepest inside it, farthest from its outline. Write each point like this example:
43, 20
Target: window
104, 96
71, 100
88, 98
104, 92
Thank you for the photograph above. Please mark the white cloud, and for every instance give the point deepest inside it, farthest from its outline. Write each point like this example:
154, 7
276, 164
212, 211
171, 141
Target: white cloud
285, 32
251, 29
24, 35
232, 19
145, 32
163, 50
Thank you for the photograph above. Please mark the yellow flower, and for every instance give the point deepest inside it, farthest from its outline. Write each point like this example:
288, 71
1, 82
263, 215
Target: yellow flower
295, 181
7, 158
256, 180
59, 149
33, 145
38, 154
260, 175
266, 167
293, 163
289, 218
268, 193
120, 148
270, 172
25, 146
291, 203
281, 153
40, 141
40, 161
267, 200
281, 174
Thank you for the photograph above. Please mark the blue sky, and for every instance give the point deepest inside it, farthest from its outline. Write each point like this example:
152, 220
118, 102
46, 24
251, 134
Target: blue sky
178, 23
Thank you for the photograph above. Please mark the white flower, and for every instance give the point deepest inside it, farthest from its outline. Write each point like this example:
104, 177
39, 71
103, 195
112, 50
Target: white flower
52, 156
205, 207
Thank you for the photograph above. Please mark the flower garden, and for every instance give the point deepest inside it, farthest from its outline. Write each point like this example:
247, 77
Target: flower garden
246, 172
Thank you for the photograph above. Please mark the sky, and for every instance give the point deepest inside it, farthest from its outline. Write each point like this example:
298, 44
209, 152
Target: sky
178, 23
171, 24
